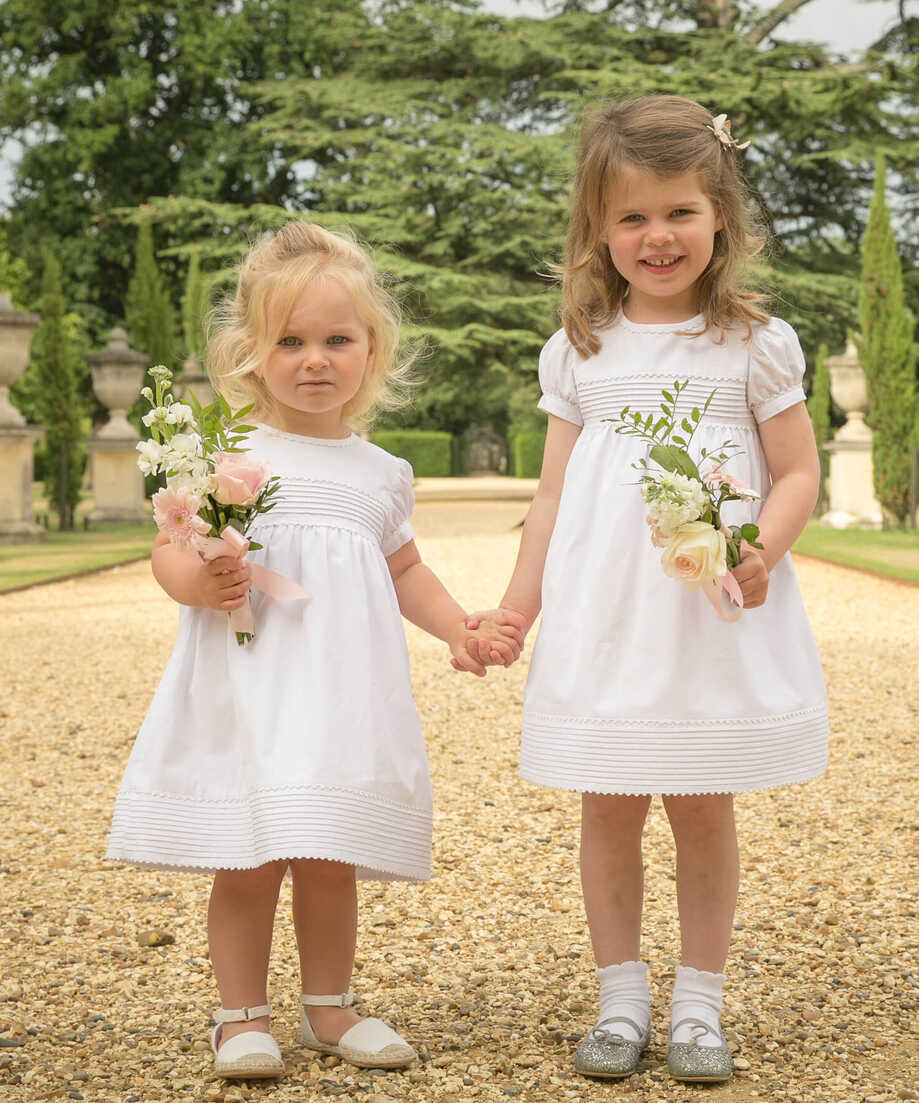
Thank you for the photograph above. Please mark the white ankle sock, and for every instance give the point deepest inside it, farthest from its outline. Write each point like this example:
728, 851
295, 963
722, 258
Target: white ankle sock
624, 991
697, 995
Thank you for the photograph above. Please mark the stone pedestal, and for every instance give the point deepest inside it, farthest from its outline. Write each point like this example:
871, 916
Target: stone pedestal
194, 380
16, 437
16, 467
852, 500
118, 486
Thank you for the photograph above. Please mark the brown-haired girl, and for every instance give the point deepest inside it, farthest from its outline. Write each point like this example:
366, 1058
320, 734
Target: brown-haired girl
301, 750
635, 686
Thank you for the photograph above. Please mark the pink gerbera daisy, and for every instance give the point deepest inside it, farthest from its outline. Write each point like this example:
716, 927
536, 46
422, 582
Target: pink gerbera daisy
176, 513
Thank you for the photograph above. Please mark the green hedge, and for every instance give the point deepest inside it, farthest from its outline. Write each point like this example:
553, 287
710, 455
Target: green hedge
528, 449
429, 451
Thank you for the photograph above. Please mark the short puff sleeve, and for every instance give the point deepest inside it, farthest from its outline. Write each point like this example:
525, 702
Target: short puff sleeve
397, 529
556, 378
774, 379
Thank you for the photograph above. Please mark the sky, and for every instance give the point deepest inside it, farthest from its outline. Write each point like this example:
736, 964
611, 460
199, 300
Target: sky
845, 25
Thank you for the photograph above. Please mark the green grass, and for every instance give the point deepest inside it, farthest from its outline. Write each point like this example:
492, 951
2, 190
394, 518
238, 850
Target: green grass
67, 553
892, 553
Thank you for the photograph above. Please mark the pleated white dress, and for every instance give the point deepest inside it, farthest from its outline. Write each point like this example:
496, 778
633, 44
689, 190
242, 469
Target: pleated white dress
306, 741
635, 685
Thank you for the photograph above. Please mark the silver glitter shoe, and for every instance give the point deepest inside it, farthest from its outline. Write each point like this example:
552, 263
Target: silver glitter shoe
690, 1061
608, 1055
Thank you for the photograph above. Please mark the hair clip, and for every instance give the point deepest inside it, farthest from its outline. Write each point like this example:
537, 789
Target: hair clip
720, 126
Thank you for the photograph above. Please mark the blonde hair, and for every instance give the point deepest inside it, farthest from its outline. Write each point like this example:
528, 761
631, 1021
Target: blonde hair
667, 136
270, 279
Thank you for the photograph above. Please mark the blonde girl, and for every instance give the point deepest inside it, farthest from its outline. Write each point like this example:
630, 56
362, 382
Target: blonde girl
301, 751
636, 688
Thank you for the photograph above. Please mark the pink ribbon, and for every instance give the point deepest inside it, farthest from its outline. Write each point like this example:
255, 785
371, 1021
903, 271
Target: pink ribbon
231, 542
715, 591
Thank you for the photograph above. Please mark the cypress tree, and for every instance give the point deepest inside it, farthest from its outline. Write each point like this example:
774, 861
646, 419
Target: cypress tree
887, 353
818, 406
195, 304
148, 308
55, 371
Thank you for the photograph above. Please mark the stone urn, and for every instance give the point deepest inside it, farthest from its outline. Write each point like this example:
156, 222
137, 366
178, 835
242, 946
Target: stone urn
118, 372
850, 392
17, 328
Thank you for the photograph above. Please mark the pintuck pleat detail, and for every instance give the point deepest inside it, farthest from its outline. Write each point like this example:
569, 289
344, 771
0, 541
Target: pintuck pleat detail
606, 397
593, 754
334, 505
383, 839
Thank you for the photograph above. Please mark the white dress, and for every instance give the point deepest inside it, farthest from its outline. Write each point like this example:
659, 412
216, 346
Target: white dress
635, 685
306, 741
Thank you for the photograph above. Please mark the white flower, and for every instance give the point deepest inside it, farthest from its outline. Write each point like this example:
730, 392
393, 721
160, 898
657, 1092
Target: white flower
151, 456
158, 414
180, 414
193, 482
673, 499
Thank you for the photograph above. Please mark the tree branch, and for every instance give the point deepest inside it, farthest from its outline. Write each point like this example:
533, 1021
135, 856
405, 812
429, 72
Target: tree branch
768, 23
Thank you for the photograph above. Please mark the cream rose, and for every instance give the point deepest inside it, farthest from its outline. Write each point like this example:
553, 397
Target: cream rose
695, 554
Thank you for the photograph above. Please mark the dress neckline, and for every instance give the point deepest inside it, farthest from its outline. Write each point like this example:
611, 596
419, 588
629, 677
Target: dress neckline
300, 438
696, 322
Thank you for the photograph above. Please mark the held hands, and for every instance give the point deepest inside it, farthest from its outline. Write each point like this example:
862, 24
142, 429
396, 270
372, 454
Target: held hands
752, 576
225, 583
490, 638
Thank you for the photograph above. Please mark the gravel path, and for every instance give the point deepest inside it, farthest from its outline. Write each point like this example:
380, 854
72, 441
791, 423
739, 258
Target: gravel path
486, 968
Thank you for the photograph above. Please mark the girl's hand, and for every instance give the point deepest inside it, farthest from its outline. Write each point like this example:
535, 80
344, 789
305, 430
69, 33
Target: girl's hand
495, 636
752, 576
225, 583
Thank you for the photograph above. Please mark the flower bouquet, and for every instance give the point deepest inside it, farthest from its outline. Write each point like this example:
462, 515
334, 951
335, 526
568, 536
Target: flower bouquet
213, 489
684, 504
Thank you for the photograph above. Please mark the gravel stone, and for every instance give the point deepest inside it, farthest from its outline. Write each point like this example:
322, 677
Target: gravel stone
488, 964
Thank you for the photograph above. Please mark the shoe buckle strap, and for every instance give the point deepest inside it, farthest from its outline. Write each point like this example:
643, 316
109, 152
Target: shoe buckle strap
698, 1028
241, 1014
601, 1034
343, 1000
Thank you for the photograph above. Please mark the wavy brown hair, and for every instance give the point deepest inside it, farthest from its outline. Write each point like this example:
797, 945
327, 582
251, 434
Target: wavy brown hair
270, 279
667, 136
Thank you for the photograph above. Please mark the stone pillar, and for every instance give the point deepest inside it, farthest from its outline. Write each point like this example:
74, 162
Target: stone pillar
118, 486
194, 380
16, 437
852, 500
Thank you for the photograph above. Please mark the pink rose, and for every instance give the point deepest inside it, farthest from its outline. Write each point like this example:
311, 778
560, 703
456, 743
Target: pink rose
239, 478
175, 511
718, 477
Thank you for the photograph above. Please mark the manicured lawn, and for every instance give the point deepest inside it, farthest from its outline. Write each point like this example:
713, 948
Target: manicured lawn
893, 553
67, 553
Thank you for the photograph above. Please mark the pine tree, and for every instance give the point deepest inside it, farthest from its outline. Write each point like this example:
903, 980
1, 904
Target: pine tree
818, 406
887, 353
55, 373
148, 308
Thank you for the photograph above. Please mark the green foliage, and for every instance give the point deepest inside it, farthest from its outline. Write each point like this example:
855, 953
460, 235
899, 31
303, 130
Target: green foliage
887, 354
818, 406
59, 409
428, 451
148, 307
195, 305
13, 272
528, 450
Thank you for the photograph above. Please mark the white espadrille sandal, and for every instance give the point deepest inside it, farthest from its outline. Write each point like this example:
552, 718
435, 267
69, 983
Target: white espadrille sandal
253, 1054
369, 1044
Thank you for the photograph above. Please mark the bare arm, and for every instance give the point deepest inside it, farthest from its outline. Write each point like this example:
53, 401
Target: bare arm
221, 584
424, 600
794, 466
523, 596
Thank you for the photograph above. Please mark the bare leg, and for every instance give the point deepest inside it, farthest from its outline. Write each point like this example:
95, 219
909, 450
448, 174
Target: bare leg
707, 875
325, 919
612, 877
240, 919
